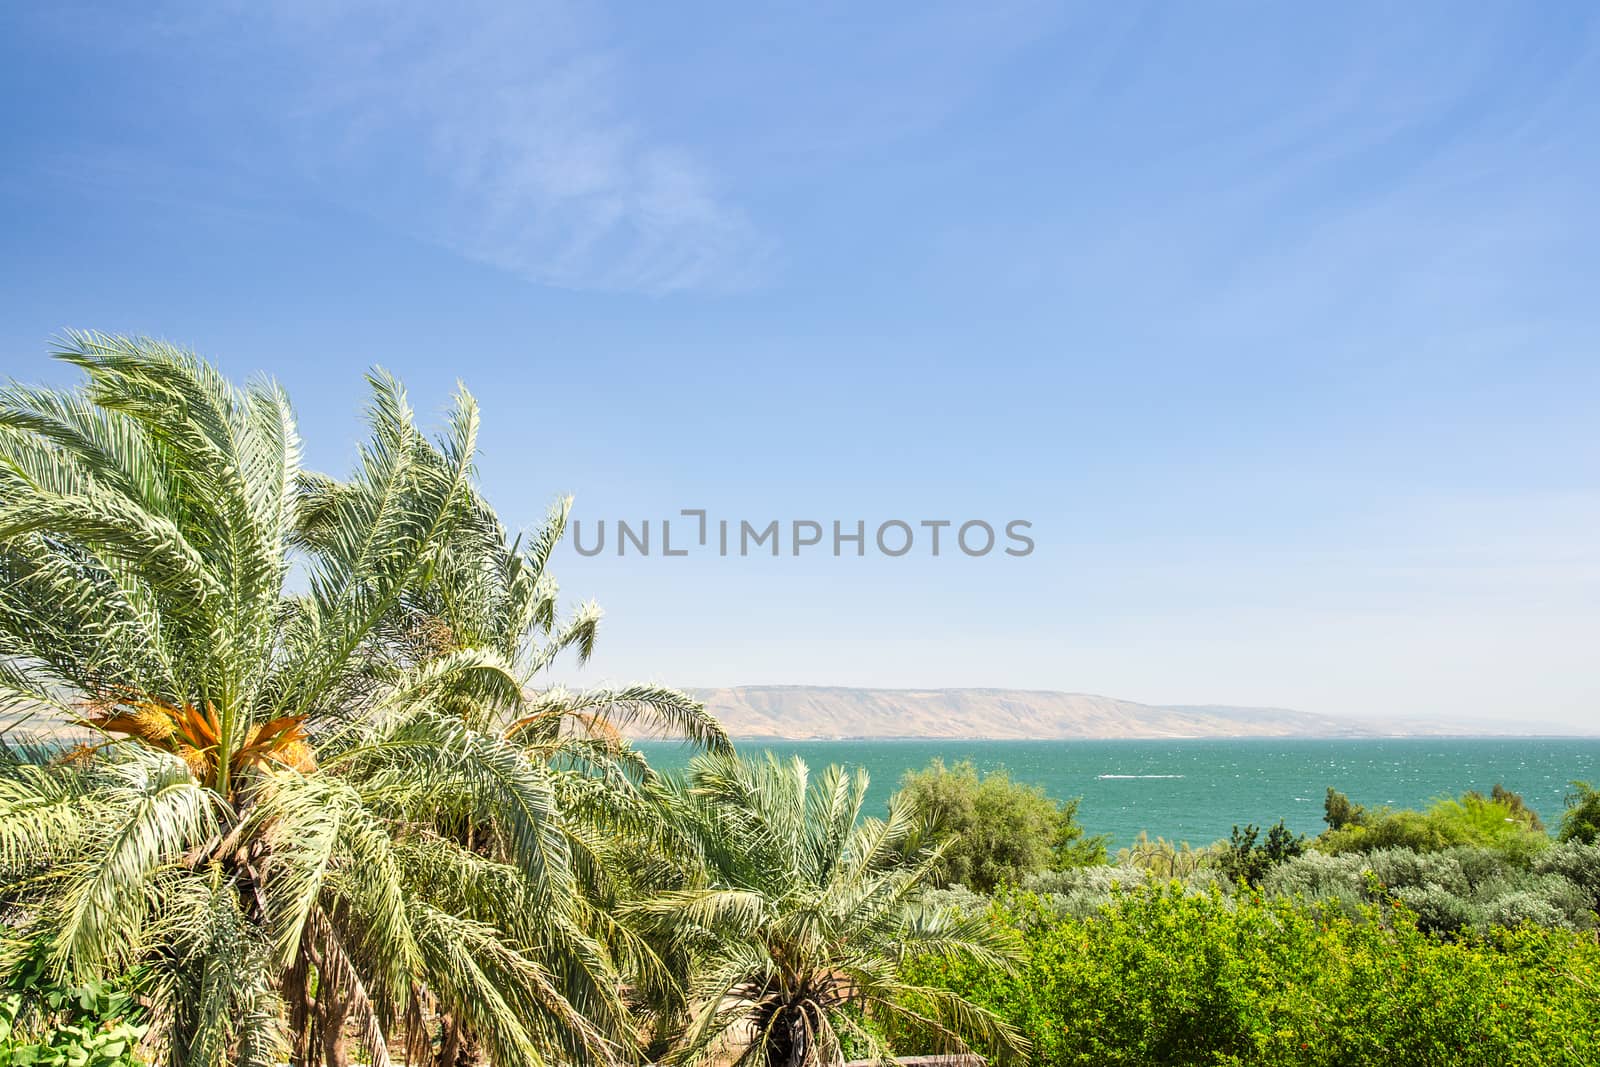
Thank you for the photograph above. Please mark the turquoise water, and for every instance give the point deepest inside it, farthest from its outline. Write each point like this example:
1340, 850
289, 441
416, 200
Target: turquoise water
1196, 791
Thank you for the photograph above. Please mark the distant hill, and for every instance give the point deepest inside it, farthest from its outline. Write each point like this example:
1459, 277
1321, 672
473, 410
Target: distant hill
800, 712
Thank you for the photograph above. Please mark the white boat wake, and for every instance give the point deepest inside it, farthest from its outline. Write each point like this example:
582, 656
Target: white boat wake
1138, 776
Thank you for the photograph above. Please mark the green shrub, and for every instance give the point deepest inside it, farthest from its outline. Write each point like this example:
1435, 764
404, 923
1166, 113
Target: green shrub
1578, 863
1437, 909
46, 1023
958, 898
1519, 807
1522, 906
1453, 890
1160, 976
1481, 866
1501, 821
1581, 822
1318, 878
1003, 830
1082, 891
1246, 860
1402, 867
1338, 811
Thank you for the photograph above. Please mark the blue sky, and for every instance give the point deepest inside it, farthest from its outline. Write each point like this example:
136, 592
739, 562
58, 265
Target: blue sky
1276, 321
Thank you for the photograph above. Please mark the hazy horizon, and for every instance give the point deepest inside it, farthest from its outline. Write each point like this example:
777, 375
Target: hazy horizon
1378, 726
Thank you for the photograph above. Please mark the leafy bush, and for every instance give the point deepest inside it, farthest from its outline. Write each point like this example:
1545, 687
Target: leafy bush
1523, 906
1452, 890
1101, 879
1160, 976
1401, 867
1003, 830
1519, 807
1500, 821
1318, 878
1246, 860
1578, 863
1581, 822
1084, 890
45, 1023
1338, 811
1437, 909
958, 898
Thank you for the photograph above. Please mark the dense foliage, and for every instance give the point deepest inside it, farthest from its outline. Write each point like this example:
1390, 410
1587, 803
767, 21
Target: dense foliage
1002, 830
1162, 976
341, 809
1246, 859
47, 1023
803, 917
1455, 889
1279, 952
302, 814
1500, 821
1582, 819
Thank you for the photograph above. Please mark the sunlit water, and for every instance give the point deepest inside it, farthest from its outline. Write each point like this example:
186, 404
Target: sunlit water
1196, 791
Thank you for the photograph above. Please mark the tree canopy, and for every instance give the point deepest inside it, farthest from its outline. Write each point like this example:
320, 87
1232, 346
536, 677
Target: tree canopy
1002, 830
299, 809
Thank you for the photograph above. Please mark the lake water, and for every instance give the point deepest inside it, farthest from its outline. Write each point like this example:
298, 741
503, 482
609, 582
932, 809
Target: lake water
1196, 791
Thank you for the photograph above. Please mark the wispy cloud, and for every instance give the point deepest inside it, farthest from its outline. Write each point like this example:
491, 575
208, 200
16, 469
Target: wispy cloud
512, 134
500, 132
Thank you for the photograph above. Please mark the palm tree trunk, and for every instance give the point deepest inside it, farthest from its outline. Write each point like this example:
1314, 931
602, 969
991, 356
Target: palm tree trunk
457, 1046
297, 998
789, 1047
335, 1045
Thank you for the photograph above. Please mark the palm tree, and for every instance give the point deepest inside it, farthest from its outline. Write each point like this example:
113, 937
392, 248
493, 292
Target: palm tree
804, 917
488, 591
290, 796
1162, 859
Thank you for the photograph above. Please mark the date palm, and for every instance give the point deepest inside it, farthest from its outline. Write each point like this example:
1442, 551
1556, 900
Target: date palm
289, 790
488, 590
802, 918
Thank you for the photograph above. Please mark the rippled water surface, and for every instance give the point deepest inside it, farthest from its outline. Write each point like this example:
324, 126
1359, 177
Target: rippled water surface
1197, 790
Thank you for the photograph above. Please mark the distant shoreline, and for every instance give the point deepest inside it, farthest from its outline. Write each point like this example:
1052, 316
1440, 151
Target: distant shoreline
822, 712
